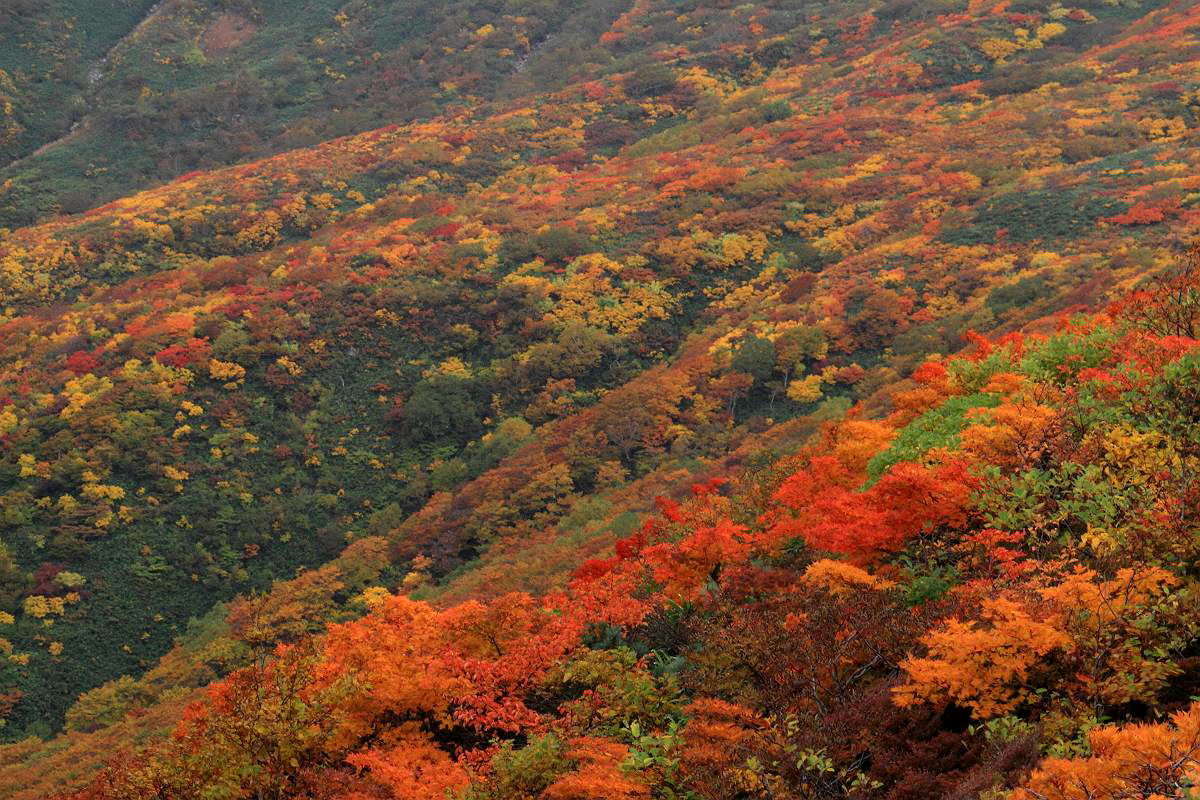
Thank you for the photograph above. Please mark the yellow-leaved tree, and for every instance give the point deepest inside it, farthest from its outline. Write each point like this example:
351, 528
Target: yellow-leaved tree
981, 664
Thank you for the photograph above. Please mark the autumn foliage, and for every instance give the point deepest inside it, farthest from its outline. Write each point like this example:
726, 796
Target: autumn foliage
763, 400
773, 635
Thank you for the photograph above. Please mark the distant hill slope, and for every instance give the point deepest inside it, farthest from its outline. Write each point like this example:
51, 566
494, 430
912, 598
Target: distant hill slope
49, 51
460, 354
114, 107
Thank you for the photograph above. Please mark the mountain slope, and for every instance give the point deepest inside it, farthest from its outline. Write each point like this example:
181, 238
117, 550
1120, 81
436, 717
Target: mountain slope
198, 85
325, 294
721, 649
458, 356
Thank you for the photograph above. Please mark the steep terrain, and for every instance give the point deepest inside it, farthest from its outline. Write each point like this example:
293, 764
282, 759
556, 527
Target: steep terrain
603, 254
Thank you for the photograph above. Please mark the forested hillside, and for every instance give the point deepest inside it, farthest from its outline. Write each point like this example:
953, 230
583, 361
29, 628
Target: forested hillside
101, 98
639, 399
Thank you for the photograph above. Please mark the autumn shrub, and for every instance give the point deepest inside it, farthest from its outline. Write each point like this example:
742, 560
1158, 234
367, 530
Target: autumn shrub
517, 773
937, 428
107, 704
1146, 760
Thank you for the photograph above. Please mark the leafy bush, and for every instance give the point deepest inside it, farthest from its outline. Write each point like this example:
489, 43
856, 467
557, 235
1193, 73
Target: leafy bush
938, 427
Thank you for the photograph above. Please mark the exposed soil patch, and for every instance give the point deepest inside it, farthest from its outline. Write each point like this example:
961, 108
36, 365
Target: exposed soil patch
226, 32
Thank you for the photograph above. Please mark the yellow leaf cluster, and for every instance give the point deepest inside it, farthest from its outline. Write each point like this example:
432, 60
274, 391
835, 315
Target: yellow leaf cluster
100, 491
981, 664
841, 578
1050, 30
27, 465
39, 606
805, 390
81, 391
289, 366
1159, 128
453, 366
1135, 458
233, 374
589, 294
860, 440
175, 474
262, 234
